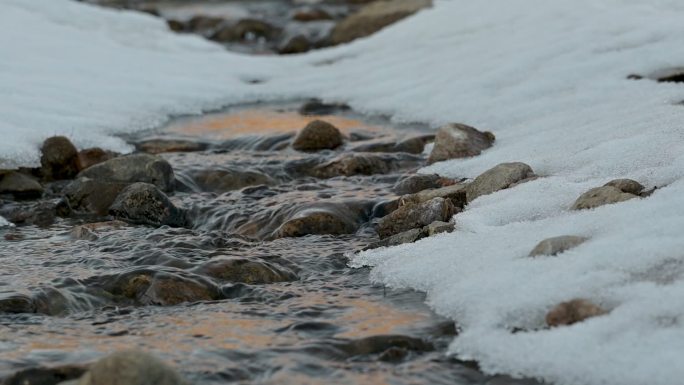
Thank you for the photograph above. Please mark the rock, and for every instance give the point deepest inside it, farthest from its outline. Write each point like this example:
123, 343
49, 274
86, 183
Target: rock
21, 186
246, 29
223, 180
131, 367
600, 196
143, 203
85, 195
459, 141
92, 156
556, 245
16, 304
89, 231
380, 343
318, 135
159, 146
438, 228
133, 168
415, 183
294, 44
393, 354
627, 186
46, 375
414, 145
456, 193
311, 14
349, 164
317, 107
316, 222
41, 213
245, 270
408, 236
414, 216
164, 288
59, 159
373, 17
175, 25
498, 178
568, 313
203, 24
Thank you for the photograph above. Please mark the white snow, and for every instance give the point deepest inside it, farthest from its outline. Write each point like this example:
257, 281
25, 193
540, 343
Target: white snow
547, 77
4, 222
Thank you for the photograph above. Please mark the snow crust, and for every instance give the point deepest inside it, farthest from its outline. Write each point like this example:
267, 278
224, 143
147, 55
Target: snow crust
548, 78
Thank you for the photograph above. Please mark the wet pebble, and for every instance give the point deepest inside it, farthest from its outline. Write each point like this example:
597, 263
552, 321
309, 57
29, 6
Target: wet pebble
143, 203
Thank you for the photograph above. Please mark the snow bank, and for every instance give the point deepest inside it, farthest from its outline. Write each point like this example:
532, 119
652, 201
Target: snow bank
548, 78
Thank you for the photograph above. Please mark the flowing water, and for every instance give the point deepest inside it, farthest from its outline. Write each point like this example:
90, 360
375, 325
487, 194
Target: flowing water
304, 318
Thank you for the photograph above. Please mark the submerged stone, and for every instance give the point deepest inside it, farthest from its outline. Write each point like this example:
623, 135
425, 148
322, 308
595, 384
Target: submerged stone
316, 222
131, 367
245, 270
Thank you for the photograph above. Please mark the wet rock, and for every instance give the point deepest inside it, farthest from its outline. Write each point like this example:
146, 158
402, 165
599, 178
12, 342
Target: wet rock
627, 186
41, 214
414, 145
223, 180
311, 14
393, 354
160, 146
349, 164
245, 270
143, 203
16, 304
92, 156
498, 178
85, 195
246, 29
316, 221
556, 245
175, 25
90, 231
131, 367
373, 17
379, 344
318, 135
59, 159
203, 24
414, 216
46, 376
455, 193
408, 236
21, 186
133, 168
318, 107
459, 141
417, 182
438, 228
568, 313
164, 288
600, 196
294, 44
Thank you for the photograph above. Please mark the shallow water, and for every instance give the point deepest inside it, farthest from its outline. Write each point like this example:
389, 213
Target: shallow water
306, 331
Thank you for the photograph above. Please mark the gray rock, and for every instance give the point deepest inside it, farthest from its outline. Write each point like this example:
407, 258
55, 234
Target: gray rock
221, 180
600, 196
438, 228
318, 135
408, 236
143, 203
415, 216
21, 186
245, 270
498, 178
456, 193
85, 195
568, 313
627, 186
556, 245
131, 367
459, 141
59, 159
373, 17
417, 182
133, 168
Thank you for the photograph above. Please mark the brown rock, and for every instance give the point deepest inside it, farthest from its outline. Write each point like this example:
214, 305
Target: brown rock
295, 44
373, 17
244, 30
90, 196
21, 186
131, 367
245, 270
600, 196
316, 222
144, 203
159, 146
627, 186
318, 135
133, 168
459, 141
498, 178
414, 216
92, 156
568, 313
556, 245
59, 159
456, 193
312, 14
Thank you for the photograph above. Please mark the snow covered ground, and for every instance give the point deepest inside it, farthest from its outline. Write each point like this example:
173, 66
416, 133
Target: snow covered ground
548, 78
